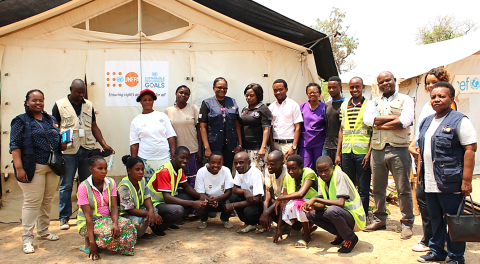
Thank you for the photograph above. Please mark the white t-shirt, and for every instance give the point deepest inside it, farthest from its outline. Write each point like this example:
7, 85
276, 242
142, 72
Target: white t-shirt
285, 116
213, 185
151, 132
271, 181
252, 180
466, 134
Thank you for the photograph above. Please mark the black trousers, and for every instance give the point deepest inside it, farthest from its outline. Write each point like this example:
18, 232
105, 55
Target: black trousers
225, 216
250, 215
227, 157
171, 213
426, 218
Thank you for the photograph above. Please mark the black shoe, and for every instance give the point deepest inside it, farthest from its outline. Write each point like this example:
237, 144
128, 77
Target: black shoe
349, 245
337, 241
174, 227
455, 261
429, 257
375, 226
157, 230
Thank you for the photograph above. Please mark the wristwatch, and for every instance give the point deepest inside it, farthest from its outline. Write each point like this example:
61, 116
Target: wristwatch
294, 147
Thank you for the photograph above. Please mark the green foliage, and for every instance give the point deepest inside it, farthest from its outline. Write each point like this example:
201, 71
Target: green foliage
444, 28
342, 45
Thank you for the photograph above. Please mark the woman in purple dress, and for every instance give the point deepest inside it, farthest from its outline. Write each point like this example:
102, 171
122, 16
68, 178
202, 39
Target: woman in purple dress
313, 127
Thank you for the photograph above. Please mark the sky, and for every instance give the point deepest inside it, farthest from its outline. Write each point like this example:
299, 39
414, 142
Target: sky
382, 27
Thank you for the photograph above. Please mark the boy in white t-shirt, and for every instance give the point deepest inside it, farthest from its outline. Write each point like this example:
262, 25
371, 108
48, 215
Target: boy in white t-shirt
214, 183
248, 190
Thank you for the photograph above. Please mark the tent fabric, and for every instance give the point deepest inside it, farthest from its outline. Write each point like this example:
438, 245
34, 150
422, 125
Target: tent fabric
269, 21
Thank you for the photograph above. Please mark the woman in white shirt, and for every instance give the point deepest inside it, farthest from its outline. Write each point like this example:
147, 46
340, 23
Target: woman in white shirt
447, 143
152, 136
433, 76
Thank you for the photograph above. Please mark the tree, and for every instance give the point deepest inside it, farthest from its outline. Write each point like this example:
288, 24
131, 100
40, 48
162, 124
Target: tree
443, 28
342, 45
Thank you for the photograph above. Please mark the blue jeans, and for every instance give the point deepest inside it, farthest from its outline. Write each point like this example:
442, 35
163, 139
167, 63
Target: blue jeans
352, 166
439, 204
72, 162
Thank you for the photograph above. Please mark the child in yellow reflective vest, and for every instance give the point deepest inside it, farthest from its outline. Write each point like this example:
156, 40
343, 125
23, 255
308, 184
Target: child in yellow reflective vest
97, 218
339, 208
134, 197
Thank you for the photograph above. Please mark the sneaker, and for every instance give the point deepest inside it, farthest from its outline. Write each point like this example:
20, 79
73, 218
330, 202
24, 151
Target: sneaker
337, 241
227, 224
247, 228
406, 232
157, 230
212, 214
349, 245
455, 261
173, 227
202, 224
64, 224
429, 257
259, 229
420, 248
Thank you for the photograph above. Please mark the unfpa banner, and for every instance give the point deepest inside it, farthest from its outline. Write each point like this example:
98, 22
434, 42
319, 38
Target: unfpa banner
123, 81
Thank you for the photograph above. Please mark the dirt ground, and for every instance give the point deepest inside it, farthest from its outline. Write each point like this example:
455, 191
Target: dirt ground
215, 244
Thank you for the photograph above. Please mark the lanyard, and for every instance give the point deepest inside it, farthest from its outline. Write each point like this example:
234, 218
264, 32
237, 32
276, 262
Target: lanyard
221, 108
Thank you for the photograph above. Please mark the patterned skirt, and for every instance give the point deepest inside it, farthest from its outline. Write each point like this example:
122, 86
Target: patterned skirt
292, 211
102, 231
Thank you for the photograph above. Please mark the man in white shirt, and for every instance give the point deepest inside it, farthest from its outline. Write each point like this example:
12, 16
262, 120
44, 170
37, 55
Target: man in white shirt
246, 199
390, 115
287, 120
214, 183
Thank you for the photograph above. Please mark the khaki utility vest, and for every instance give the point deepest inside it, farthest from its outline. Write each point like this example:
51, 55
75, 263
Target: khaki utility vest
71, 120
396, 138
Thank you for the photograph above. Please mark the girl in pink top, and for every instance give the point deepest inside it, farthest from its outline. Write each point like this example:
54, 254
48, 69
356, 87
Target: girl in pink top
106, 229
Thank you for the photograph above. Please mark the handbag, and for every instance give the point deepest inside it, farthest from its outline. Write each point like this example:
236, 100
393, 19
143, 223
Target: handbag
463, 228
55, 160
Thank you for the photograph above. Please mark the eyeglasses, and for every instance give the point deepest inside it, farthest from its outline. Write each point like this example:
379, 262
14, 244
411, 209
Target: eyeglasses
221, 88
312, 93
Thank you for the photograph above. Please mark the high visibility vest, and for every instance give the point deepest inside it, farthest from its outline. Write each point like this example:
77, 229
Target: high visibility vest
157, 197
81, 220
356, 138
138, 202
354, 207
290, 183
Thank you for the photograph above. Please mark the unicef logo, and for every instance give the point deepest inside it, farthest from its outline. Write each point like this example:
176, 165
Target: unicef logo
119, 79
475, 84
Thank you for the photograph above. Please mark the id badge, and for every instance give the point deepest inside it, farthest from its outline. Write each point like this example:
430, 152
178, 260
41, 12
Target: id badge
81, 132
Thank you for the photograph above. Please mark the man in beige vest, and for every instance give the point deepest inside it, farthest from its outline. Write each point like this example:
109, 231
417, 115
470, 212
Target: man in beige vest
390, 115
77, 113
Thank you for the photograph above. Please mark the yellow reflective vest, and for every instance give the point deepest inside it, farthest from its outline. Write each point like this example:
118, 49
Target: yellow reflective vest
133, 192
157, 197
81, 220
290, 184
356, 138
354, 207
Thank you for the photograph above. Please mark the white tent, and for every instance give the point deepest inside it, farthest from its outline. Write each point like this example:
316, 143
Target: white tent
461, 58
198, 44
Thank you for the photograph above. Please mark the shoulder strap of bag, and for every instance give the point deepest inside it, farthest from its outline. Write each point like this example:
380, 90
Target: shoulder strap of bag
51, 149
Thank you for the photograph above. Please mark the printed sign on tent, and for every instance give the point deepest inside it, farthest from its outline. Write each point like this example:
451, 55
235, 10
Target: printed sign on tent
123, 81
466, 83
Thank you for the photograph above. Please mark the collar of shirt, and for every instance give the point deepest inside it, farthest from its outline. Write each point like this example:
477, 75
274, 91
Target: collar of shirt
351, 103
388, 99
105, 186
339, 100
252, 165
256, 107
284, 101
68, 97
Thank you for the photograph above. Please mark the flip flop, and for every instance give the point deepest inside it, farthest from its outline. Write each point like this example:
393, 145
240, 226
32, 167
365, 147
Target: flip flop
85, 250
301, 244
50, 237
28, 248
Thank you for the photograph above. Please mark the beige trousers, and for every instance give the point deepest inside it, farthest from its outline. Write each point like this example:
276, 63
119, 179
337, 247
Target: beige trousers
37, 202
284, 147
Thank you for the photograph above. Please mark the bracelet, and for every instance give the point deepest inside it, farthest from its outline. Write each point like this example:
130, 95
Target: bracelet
233, 206
240, 146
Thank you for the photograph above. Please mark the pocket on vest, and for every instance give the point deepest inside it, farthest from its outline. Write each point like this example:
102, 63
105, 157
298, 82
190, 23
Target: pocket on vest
87, 119
395, 110
450, 170
400, 138
443, 143
68, 121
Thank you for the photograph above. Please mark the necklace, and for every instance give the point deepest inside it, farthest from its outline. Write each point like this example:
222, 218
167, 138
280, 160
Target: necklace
221, 108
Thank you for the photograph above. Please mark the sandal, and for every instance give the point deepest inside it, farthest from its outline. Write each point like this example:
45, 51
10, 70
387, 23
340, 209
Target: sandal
50, 237
85, 250
28, 248
301, 244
